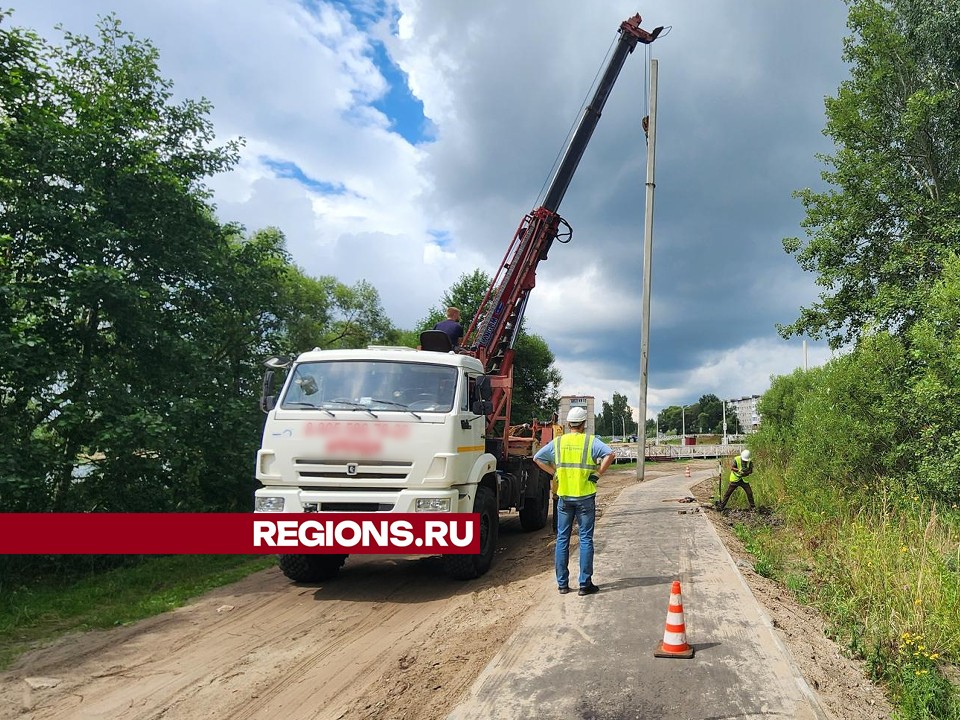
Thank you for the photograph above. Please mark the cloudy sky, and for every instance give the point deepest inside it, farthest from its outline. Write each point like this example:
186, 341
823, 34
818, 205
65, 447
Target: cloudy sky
402, 141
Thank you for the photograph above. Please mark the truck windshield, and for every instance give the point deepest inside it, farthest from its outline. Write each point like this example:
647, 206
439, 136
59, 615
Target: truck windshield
371, 385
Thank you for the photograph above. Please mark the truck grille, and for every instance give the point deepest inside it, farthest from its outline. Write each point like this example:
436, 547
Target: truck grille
375, 470
349, 507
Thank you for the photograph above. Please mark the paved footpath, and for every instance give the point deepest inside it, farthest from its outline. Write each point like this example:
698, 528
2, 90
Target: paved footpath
592, 657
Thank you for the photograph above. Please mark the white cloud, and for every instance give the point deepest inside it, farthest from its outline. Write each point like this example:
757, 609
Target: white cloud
741, 88
728, 374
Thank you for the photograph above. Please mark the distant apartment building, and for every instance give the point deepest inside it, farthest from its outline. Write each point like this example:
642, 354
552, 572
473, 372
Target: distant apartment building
747, 414
572, 401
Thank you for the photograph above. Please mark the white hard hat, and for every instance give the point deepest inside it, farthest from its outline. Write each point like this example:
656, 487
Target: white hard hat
745, 456
576, 416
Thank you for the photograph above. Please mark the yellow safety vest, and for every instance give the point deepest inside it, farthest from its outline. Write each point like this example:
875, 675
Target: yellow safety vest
739, 467
574, 463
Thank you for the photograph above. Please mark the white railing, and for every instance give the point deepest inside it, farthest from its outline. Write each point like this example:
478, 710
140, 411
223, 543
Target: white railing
628, 453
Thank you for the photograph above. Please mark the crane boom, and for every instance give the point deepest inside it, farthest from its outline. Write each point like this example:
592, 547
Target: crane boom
493, 332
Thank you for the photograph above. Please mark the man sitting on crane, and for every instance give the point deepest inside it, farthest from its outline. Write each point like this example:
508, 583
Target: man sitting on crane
451, 327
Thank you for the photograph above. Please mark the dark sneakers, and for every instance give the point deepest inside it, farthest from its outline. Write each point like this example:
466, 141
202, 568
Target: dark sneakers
588, 589
564, 589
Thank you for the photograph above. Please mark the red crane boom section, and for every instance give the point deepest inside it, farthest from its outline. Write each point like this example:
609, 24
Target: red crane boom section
494, 329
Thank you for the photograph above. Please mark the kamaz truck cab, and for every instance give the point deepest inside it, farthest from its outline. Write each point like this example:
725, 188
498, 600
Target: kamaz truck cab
384, 429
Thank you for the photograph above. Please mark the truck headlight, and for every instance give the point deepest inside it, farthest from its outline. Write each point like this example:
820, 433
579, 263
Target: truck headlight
433, 504
268, 504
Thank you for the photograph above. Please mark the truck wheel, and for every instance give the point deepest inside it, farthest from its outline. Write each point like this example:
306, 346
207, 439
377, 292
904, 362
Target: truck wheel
467, 567
533, 514
310, 568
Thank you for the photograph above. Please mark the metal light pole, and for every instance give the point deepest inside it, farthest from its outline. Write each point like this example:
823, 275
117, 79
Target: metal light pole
683, 431
724, 422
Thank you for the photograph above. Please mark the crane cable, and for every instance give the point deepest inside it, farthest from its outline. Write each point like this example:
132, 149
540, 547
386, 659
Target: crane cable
576, 122
596, 78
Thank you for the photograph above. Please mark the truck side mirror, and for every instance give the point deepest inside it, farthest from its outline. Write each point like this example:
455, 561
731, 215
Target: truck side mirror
481, 407
484, 388
278, 362
267, 399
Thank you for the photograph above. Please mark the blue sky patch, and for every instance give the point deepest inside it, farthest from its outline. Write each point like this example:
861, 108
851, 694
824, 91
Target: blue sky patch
441, 238
291, 171
402, 107
363, 13
399, 104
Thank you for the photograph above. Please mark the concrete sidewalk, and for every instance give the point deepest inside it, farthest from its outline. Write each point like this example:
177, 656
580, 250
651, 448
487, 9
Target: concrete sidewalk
592, 657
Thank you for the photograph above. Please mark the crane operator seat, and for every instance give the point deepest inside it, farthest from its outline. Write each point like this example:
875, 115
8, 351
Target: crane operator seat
435, 341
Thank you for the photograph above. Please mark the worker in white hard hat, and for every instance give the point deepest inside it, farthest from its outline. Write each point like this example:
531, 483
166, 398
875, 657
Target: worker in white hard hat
740, 469
577, 461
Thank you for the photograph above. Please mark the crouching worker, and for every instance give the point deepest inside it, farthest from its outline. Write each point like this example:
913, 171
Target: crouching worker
740, 469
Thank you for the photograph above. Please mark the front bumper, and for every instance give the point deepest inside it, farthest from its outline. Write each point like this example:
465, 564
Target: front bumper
296, 500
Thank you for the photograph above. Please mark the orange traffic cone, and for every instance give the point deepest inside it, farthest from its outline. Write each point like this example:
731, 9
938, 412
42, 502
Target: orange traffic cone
675, 634
686, 471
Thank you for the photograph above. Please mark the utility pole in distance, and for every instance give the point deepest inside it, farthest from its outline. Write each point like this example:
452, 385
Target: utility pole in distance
724, 422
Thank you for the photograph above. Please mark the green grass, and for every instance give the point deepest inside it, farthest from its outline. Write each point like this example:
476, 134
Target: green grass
44, 608
766, 554
883, 571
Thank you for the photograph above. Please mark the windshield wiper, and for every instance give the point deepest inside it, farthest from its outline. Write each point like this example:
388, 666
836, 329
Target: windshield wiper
396, 404
354, 405
389, 402
307, 405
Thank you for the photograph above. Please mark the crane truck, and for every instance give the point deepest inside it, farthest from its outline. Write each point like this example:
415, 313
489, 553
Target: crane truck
402, 430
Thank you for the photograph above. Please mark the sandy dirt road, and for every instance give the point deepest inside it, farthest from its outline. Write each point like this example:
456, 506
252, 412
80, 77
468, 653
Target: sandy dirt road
392, 637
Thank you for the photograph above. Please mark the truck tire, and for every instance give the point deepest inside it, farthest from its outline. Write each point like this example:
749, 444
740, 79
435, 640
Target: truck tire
310, 568
533, 514
467, 567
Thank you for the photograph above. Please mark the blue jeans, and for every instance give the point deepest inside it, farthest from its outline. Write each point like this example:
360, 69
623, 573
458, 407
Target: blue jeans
584, 509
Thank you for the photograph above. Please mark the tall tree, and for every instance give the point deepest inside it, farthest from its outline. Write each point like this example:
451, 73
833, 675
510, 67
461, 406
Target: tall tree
878, 237
676, 419
710, 417
132, 323
351, 317
107, 238
616, 417
466, 294
933, 433
535, 379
